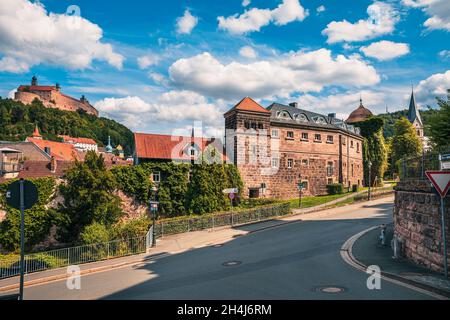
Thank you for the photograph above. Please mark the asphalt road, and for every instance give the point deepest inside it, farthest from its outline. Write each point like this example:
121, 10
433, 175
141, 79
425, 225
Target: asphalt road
286, 262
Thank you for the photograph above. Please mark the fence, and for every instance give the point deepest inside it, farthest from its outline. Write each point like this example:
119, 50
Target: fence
415, 167
164, 228
10, 265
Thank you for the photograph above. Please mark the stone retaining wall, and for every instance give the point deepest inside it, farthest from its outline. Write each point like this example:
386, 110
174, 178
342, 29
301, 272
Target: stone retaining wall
417, 220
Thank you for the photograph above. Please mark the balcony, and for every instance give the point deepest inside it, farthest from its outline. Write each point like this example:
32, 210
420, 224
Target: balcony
10, 167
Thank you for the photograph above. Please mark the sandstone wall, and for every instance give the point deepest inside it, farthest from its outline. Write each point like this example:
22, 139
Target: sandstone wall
417, 220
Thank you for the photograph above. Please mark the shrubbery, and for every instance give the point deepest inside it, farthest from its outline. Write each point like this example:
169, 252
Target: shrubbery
335, 188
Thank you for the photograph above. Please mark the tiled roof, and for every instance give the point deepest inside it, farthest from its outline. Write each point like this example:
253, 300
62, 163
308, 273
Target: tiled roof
78, 140
59, 150
36, 88
159, 146
360, 114
39, 169
248, 104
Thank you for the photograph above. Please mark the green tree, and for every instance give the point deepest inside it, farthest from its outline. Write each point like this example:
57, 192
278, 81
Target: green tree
439, 123
374, 149
88, 196
94, 233
405, 142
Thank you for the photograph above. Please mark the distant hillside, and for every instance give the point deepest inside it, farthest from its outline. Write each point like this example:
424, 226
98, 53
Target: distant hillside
17, 121
390, 118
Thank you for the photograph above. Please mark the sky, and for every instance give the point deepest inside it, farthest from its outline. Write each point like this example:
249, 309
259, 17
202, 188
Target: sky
165, 66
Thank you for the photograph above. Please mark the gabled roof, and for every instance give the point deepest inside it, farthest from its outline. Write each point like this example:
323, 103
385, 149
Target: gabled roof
413, 111
59, 150
248, 104
78, 140
167, 147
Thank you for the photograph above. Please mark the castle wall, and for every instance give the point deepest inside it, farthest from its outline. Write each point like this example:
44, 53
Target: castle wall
54, 99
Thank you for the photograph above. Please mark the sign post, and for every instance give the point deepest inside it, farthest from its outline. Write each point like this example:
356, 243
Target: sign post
441, 182
300, 187
22, 195
231, 194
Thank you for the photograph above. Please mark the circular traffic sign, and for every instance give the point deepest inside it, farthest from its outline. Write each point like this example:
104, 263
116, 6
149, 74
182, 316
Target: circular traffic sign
231, 196
30, 194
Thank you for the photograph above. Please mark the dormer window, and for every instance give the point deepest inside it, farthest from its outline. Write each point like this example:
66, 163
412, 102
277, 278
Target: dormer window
301, 117
320, 120
283, 114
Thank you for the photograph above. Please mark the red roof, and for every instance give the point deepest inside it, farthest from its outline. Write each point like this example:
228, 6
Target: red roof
36, 88
36, 132
59, 150
160, 146
248, 104
78, 140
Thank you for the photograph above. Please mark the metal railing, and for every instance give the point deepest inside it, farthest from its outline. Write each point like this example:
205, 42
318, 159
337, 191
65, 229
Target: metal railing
198, 223
415, 167
10, 265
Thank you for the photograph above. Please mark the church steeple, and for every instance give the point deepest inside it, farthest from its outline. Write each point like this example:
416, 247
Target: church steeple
413, 112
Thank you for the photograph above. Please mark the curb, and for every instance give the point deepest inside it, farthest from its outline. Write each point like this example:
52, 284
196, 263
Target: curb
347, 256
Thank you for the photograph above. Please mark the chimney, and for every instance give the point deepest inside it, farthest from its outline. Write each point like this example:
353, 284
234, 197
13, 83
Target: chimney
53, 165
332, 115
293, 104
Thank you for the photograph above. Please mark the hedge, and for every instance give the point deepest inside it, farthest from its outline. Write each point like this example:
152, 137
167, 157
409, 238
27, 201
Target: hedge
335, 188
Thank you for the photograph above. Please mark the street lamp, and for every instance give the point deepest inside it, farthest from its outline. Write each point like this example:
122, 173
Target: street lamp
154, 211
300, 187
370, 178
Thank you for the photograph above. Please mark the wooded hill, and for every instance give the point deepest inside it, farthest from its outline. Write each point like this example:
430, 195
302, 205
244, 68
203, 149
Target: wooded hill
17, 121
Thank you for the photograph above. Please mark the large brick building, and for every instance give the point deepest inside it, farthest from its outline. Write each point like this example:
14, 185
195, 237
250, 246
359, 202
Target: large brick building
277, 147
52, 97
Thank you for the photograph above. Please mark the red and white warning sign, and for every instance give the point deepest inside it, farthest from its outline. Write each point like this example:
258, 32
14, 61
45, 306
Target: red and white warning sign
440, 180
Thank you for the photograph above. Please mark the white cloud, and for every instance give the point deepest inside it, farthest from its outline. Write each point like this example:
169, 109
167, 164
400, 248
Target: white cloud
246, 3
435, 85
171, 107
320, 9
148, 60
385, 50
444, 53
248, 52
253, 19
437, 10
157, 77
382, 19
343, 103
186, 23
30, 36
289, 73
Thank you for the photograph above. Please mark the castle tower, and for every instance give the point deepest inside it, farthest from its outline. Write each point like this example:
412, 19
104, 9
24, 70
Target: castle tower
34, 81
248, 143
414, 116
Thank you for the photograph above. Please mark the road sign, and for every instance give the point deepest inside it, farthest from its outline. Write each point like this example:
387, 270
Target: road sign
230, 190
154, 205
13, 194
446, 165
440, 180
231, 196
445, 157
300, 186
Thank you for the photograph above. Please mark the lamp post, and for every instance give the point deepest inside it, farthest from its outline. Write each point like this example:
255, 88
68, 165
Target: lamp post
154, 210
370, 178
300, 187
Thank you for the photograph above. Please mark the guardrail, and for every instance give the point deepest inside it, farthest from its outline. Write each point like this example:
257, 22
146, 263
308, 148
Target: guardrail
10, 265
164, 228
415, 167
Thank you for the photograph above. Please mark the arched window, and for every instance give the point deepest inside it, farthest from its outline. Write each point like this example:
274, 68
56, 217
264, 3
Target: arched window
301, 117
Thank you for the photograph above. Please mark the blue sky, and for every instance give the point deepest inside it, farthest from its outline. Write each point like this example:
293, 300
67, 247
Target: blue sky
161, 66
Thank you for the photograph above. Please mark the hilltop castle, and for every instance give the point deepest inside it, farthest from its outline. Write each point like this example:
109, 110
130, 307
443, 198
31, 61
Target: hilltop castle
52, 97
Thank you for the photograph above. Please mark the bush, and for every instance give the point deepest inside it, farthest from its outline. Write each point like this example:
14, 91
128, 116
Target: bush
94, 233
335, 188
131, 229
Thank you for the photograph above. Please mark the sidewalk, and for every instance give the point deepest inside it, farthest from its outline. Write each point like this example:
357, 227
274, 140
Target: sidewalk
367, 251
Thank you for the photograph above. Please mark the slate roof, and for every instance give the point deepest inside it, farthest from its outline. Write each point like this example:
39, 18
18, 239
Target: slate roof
413, 111
312, 119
